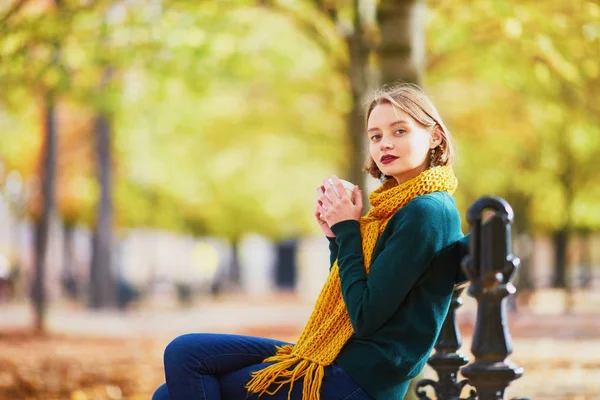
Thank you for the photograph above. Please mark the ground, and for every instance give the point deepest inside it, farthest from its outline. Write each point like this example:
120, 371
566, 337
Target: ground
560, 353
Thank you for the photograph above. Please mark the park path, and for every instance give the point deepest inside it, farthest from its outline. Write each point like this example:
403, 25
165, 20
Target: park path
113, 350
283, 313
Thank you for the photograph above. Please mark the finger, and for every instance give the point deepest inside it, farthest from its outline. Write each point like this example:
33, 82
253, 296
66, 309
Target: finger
318, 211
322, 211
339, 185
324, 202
327, 192
323, 206
324, 199
318, 216
329, 189
330, 192
358, 200
317, 208
319, 194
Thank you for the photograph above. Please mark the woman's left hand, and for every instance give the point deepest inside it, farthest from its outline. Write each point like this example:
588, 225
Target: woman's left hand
335, 209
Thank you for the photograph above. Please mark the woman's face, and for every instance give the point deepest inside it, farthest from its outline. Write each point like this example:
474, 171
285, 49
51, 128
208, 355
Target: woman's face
399, 145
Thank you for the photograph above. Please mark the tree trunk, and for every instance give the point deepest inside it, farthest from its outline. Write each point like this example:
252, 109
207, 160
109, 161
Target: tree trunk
235, 274
521, 204
523, 248
560, 239
42, 225
69, 282
586, 260
102, 278
401, 52
357, 77
525, 281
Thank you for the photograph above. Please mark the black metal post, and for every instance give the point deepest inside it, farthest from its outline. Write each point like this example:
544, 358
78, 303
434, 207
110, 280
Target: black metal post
447, 361
490, 267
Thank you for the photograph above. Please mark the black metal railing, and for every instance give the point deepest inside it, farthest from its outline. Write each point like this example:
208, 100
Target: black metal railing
490, 267
447, 361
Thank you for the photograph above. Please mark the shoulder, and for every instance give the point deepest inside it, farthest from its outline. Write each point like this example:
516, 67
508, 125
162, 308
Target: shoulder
432, 209
435, 203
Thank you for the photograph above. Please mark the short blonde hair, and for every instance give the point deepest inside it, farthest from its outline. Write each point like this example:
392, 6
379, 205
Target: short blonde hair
411, 99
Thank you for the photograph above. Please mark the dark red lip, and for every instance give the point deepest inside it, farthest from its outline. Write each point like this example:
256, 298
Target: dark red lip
387, 159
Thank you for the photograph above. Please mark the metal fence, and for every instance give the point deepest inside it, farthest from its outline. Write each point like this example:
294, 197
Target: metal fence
489, 267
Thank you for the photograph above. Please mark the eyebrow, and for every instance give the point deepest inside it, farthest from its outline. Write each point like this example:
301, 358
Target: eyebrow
400, 121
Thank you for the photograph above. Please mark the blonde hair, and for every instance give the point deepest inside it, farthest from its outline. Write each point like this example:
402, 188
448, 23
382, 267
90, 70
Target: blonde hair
411, 99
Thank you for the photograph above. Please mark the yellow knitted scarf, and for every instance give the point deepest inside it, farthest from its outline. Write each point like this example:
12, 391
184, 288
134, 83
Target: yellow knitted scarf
329, 327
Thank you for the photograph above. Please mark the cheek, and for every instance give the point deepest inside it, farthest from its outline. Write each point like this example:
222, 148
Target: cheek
374, 151
420, 149
407, 149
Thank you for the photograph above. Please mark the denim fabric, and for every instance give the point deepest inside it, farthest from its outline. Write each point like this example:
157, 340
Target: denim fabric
204, 366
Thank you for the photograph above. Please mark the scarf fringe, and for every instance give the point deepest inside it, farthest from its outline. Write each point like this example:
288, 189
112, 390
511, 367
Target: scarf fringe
288, 369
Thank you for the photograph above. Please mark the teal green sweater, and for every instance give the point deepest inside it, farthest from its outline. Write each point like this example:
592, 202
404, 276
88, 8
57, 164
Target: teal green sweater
398, 310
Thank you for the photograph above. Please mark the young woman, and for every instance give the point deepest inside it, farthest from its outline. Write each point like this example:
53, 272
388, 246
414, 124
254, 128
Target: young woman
388, 290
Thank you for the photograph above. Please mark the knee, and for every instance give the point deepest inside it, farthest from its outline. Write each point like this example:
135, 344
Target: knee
177, 351
185, 353
161, 393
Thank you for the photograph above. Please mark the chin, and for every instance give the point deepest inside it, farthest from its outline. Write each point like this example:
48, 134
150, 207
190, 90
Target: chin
393, 172
387, 172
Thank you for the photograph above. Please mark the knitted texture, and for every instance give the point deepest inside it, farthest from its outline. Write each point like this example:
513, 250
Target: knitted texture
329, 327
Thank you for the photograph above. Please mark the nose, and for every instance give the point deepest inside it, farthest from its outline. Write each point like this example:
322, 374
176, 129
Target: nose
386, 144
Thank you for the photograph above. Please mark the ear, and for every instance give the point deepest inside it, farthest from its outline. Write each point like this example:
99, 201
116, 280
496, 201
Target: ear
436, 137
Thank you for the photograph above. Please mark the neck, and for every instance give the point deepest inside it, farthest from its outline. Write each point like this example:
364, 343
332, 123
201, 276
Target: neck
410, 174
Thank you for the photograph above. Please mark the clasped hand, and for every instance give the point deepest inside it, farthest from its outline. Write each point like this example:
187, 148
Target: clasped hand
332, 208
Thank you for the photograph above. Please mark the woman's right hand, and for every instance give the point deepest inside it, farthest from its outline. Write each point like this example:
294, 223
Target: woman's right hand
322, 223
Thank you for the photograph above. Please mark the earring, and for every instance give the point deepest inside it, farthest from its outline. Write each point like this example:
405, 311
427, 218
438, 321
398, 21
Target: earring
431, 159
382, 178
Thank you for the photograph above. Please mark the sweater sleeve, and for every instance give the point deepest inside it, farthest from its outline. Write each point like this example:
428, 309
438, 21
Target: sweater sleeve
333, 250
418, 233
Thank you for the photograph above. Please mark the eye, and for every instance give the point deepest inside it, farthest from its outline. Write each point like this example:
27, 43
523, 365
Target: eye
400, 131
375, 137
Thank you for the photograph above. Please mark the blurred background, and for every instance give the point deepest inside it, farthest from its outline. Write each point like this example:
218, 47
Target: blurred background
159, 161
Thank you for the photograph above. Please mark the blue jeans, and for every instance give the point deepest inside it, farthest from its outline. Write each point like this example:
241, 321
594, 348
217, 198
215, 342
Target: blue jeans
204, 366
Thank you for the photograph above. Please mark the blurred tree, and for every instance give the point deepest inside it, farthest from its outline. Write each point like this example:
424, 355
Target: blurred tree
47, 174
345, 33
103, 285
219, 126
76, 189
246, 103
203, 89
102, 276
401, 50
49, 91
395, 29
36, 49
519, 82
